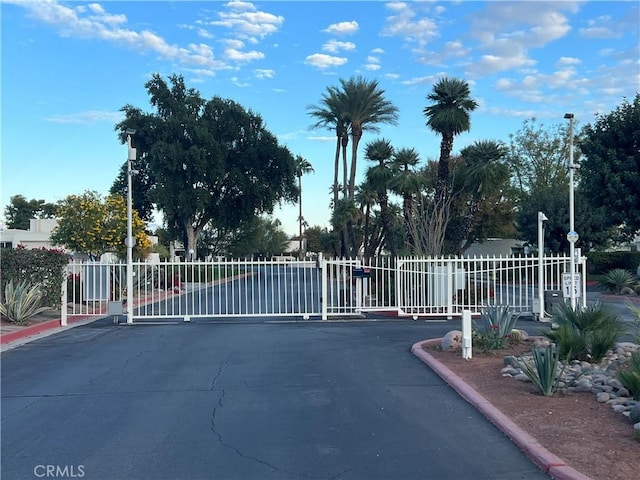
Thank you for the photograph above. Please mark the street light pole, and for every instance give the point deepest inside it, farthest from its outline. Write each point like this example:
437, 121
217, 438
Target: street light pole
572, 236
130, 241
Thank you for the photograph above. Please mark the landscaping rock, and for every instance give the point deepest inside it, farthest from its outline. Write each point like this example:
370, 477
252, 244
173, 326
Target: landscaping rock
452, 340
634, 414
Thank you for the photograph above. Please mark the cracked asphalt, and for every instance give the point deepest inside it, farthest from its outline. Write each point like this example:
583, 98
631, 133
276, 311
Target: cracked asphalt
246, 400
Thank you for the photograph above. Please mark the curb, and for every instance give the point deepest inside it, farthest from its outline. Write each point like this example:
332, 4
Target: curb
42, 327
543, 458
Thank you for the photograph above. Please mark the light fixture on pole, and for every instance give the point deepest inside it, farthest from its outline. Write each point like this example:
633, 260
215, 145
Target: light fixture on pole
541, 219
572, 236
130, 241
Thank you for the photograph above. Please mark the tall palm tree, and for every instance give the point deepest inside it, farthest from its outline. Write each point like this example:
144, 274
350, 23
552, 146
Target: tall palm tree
380, 152
302, 166
365, 106
330, 114
483, 174
366, 198
448, 115
406, 183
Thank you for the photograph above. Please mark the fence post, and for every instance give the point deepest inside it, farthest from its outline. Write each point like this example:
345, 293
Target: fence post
450, 273
63, 300
323, 295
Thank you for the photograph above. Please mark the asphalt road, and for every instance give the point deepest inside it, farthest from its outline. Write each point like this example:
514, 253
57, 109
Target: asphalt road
242, 400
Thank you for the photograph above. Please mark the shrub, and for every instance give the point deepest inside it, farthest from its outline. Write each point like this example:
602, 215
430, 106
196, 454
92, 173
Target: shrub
617, 280
44, 266
585, 334
598, 263
543, 371
22, 301
629, 375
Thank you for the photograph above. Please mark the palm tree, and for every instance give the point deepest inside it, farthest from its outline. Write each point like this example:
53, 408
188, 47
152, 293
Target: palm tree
481, 175
330, 114
380, 151
302, 166
448, 116
406, 183
366, 198
364, 106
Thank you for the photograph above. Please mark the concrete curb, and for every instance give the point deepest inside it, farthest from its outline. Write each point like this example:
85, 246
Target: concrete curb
10, 340
543, 458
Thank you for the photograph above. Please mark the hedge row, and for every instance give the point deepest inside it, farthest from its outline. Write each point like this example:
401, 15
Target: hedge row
38, 265
599, 263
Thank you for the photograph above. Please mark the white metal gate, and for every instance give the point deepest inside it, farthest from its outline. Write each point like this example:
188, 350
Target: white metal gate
329, 288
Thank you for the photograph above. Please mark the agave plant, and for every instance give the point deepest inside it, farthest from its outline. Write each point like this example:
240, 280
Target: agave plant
22, 301
618, 279
543, 370
500, 318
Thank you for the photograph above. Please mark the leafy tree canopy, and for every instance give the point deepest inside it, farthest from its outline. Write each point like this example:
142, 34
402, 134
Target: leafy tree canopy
210, 162
610, 171
20, 210
89, 224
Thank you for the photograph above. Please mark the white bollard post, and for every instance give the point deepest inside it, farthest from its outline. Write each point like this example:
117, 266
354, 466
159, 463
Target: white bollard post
466, 334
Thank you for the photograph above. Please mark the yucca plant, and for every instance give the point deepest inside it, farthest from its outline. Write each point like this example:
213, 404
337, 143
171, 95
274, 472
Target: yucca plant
22, 301
618, 279
629, 375
585, 334
543, 371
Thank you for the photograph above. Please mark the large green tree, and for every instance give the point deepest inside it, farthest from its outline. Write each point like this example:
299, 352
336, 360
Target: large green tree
331, 114
211, 162
93, 225
20, 210
538, 160
449, 116
379, 176
481, 178
610, 171
407, 183
302, 166
366, 107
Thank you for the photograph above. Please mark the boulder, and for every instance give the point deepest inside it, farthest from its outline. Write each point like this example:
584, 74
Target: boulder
452, 340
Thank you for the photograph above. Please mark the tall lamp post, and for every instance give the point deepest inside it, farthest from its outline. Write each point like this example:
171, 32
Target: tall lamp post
572, 236
130, 241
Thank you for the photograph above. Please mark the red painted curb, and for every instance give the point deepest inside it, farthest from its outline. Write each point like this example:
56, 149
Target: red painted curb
543, 458
38, 328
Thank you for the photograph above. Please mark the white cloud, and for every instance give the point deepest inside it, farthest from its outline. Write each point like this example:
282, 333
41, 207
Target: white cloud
264, 73
372, 67
95, 23
236, 81
245, 21
405, 25
90, 116
568, 61
509, 30
242, 57
602, 27
428, 79
377, 51
334, 46
323, 61
451, 50
342, 28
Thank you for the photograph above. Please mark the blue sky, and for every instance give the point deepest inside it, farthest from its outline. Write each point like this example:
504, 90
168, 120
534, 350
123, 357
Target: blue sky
68, 67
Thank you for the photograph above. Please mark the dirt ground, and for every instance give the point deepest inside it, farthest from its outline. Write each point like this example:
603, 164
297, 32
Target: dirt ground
587, 435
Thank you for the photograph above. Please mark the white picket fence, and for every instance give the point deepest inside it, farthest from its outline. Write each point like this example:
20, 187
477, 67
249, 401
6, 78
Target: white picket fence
328, 288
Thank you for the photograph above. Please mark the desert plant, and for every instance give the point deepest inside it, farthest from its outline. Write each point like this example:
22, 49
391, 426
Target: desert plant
635, 311
543, 369
498, 321
629, 375
22, 301
618, 279
585, 334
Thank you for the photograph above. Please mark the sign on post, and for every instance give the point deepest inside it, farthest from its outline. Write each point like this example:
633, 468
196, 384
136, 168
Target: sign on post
566, 285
